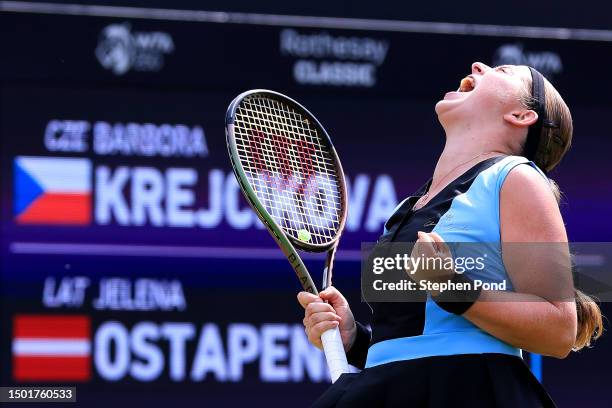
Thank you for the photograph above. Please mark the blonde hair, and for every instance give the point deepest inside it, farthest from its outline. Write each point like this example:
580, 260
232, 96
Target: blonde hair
590, 321
555, 141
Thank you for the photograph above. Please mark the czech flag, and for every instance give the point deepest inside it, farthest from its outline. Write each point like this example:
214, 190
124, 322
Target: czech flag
52, 190
51, 347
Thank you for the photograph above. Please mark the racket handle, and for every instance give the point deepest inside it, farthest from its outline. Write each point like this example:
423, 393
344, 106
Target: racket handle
334, 353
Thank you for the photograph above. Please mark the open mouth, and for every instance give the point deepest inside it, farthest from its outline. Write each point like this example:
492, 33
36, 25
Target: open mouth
467, 84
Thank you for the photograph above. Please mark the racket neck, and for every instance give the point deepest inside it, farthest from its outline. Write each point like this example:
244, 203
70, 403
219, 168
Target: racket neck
329, 265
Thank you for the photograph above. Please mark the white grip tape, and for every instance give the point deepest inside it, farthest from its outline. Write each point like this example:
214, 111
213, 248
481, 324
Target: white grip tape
334, 353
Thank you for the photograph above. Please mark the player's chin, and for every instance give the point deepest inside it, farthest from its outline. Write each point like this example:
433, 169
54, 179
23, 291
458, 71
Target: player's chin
446, 105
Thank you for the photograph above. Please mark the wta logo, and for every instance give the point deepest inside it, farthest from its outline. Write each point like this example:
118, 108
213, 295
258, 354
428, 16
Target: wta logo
119, 49
52, 190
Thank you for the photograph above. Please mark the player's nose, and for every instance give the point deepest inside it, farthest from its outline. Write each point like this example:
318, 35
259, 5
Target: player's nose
478, 68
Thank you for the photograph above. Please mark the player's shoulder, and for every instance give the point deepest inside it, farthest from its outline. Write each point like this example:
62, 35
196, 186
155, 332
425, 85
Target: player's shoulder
528, 205
528, 193
524, 181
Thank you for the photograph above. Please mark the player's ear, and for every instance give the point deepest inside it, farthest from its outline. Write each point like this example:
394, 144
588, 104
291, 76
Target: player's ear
521, 117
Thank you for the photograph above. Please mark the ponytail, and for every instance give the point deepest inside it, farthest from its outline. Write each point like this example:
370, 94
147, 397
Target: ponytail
590, 321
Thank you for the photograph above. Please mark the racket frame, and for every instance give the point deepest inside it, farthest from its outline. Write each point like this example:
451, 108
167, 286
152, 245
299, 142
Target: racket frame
331, 339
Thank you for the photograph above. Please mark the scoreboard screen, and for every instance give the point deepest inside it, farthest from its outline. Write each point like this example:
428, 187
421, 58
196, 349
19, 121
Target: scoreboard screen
122, 225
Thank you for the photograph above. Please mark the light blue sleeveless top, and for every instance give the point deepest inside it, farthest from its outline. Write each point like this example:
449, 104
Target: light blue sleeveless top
473, 216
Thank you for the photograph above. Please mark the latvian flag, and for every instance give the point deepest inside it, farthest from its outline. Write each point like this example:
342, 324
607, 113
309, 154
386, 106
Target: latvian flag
51, 347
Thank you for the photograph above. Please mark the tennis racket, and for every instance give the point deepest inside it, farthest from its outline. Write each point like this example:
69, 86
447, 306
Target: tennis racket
290, 174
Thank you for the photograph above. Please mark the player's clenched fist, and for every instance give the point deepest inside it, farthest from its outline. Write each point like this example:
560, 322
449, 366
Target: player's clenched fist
320, 316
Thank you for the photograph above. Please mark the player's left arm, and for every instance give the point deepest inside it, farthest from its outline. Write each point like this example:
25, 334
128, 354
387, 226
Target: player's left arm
540, 316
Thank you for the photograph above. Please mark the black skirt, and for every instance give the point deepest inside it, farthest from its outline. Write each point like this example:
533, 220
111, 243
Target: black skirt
468, 380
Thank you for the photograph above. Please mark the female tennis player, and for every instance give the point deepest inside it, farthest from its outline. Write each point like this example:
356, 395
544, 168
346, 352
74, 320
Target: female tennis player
505, 128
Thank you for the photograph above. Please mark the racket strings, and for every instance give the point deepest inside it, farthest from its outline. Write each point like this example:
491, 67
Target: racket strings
290, 221
290, 167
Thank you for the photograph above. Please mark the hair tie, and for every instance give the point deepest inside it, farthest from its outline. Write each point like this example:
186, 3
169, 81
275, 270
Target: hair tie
538, 104
550, 124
